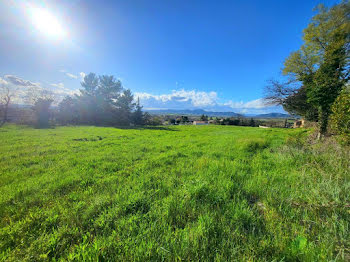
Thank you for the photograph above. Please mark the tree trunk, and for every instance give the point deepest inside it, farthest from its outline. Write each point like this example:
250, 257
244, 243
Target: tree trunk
323, 122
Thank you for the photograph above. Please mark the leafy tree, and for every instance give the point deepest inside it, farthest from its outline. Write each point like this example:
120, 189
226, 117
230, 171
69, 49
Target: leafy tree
41, 109
252, 122
320, 67
204, 118
68, 112
124, 106
291, 97
329, 79
340, 119
138, 116
90, 101
103, 101
184, 119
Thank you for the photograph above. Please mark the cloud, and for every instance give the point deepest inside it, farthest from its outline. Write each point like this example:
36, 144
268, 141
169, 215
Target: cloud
82, 75
256, 104
3, 82
182, 97
60, 91
71, 75
193, 99
20, 87
15, 80
58, 85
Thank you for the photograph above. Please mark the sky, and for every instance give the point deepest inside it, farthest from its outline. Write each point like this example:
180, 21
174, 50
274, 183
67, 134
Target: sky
183, 54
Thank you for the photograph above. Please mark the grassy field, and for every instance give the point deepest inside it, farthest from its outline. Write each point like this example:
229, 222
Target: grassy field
209, 193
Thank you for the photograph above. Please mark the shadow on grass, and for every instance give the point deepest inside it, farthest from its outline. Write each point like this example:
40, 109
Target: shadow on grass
119, 127
147, 128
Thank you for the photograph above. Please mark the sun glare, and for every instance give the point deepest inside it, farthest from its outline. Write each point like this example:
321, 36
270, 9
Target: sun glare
47, 23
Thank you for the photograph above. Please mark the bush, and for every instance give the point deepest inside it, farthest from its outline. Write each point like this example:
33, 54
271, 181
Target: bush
340, 119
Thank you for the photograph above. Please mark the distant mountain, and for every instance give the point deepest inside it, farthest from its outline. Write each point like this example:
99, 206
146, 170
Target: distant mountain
270, 115
194, 112
198, 112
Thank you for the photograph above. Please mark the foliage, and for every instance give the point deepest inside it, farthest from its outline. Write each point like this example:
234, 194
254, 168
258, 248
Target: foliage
192, 193
103, 101
204, 118
68, 112
5, 100
320, 66
341, 115
138, 116
41, 109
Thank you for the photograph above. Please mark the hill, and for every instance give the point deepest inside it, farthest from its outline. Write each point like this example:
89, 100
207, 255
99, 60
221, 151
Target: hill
198, 112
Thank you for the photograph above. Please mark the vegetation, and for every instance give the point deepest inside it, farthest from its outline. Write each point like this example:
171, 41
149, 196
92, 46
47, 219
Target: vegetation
5, 100
319, 70
341, 115
102, 101
179, 193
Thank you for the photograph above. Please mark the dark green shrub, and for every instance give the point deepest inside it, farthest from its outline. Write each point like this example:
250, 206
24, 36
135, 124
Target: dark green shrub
340, 119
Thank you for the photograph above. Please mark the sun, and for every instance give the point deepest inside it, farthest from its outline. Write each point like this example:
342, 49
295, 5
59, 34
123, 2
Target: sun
47, 23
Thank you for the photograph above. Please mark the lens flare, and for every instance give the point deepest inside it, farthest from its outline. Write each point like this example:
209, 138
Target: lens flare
47, 23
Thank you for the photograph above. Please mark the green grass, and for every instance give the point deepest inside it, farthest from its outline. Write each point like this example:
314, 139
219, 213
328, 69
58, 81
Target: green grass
209, 193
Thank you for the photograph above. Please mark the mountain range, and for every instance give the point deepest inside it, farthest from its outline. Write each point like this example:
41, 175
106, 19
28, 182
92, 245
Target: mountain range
198, 112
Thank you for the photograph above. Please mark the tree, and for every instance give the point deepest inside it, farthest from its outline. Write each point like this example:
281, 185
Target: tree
204, 118
90, 100
292, 97
5, 100
41, 109
124, 107
68, 112
329, 79
138, 117
252, 122
184, 119
102, 101
340, 119
320, 67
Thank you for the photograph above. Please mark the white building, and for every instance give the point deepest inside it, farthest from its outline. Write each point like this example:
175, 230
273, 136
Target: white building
200, 123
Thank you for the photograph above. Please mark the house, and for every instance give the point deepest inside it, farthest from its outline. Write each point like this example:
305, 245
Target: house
200, 123
299, 123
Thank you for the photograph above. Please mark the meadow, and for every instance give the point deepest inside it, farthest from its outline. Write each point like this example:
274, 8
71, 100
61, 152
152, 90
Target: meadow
176, 193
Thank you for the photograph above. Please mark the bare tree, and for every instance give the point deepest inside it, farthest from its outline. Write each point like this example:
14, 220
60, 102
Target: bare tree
5, 100
276, 92
292, 96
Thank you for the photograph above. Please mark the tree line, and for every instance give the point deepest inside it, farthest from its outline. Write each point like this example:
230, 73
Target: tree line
102, 101
315, 82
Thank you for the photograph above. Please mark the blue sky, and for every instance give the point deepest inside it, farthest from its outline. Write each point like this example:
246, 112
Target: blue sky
184, 54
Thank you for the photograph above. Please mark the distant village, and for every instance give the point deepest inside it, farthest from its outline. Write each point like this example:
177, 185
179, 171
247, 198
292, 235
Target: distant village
234, 121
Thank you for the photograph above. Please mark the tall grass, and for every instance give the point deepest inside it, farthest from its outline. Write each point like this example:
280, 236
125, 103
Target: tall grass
210, 193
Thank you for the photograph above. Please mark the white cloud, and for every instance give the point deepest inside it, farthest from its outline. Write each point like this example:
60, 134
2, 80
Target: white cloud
58, 85
19, 88
3, 82
192, 99
256, 104
71, 75
82, 75
17, 81
60, 91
